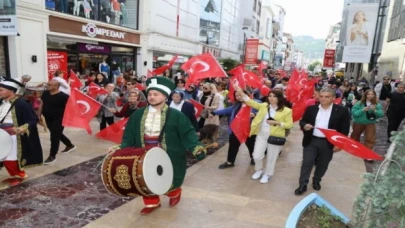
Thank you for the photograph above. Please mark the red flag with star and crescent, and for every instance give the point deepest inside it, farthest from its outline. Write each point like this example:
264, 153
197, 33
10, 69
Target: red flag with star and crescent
113, 133
198, 108
349, 145
241, 124
169, 65
80, 110
75, 82
203, 66
94, 90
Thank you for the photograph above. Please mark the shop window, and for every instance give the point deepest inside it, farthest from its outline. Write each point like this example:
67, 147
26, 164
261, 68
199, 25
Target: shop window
117, 12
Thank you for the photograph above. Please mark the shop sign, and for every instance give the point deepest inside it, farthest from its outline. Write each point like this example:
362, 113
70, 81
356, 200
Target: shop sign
8, 19
94, 48
214, 51
329, 58
265, 55
57, 60
252, 50
92, 30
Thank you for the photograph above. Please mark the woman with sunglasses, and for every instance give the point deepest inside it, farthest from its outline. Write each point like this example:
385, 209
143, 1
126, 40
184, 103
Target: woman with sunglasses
269, 126
210, 99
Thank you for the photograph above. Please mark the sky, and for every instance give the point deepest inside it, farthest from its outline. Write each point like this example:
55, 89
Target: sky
311, 17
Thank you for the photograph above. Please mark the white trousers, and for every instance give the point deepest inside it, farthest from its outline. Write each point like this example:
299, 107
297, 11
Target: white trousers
272, 154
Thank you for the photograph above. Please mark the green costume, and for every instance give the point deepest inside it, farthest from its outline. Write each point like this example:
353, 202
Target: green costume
178, 138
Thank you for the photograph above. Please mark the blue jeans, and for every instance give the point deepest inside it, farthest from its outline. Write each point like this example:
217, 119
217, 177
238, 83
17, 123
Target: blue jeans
63, 6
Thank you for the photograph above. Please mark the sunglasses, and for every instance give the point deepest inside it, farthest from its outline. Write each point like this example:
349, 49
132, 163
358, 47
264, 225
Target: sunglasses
205, 88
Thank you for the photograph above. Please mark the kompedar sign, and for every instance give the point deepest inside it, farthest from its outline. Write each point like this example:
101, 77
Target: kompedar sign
72, 27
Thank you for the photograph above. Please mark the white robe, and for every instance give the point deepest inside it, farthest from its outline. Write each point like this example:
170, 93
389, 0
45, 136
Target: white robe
12, 156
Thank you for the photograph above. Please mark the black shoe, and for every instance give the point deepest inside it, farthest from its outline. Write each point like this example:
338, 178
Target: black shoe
300, 190
316, 186
68, 149
280, 153
226, 165
49, 160
252, 162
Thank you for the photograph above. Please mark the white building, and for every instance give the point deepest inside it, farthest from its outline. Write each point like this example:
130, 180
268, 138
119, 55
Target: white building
281, 46
170, 28
230, 29
266, 33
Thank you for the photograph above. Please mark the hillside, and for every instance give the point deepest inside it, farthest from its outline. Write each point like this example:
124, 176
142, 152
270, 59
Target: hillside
312, 48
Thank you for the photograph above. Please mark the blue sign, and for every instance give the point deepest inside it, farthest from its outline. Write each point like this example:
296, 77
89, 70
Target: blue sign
266, 55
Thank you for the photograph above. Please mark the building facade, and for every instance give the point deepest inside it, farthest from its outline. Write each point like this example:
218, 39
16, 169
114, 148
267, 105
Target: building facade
266, 34
230, 29
78, 36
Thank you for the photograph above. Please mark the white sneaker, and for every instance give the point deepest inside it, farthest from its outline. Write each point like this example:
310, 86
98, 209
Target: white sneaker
257, 174
265, 179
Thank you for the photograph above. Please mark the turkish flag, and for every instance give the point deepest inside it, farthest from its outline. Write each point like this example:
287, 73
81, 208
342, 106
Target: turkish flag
94, 90
262, 66
140, 87
150, 74
349, 145
338, 101
203, 66
252, 79
240, 126
298, 110
75, 82
113, 132
197, 107
80, 110
264, 91
169, 65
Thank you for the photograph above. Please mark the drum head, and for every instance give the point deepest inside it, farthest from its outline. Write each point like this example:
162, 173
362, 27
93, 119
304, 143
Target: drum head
6, 143
158, 171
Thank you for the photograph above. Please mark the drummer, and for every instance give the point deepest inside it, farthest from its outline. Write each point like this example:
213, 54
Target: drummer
27, 150
143, 130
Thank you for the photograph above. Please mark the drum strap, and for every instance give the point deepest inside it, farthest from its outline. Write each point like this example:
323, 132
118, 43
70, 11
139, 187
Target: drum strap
164, 126
11, 107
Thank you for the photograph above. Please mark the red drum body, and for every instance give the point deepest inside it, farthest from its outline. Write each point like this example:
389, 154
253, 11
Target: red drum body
132, 172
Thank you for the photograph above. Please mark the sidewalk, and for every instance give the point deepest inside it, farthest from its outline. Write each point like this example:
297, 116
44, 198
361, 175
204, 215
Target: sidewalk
230, 198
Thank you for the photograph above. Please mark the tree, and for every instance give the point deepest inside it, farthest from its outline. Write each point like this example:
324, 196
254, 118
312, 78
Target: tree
228, 63
313, 65
381, 202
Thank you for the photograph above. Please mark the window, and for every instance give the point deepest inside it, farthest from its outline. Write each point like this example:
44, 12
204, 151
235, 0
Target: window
259, 8
257, 27
117, 12
254, 5
210, 22
395, 30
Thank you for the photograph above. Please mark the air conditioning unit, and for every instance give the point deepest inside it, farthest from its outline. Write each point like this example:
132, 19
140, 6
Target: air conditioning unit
247, 22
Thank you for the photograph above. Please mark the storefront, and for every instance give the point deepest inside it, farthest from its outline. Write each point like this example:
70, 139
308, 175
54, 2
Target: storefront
85, 47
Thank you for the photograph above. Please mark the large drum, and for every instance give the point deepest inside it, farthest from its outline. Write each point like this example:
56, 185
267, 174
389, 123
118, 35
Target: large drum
134, 172
6, 141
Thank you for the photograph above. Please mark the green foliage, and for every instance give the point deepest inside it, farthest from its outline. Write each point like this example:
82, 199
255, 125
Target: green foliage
312, 48
228, 63
381, 202
325, 218
313, 65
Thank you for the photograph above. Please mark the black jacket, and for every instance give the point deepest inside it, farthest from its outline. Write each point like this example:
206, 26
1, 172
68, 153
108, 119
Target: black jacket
189, 111
339, 121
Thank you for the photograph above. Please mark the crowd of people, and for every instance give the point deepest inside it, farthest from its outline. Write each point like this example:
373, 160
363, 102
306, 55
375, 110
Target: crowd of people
358, 109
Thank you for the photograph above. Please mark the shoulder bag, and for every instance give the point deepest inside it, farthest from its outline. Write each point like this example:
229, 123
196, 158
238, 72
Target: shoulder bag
273, 140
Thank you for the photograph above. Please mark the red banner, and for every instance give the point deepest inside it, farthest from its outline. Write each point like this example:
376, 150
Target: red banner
252, 50
329, 58
57, 60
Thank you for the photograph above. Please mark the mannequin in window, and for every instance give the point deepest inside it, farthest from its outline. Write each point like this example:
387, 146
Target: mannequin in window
5, 3
76, 7
103, 67
124, 15
87, 7
105, 10
116, 7
115, 70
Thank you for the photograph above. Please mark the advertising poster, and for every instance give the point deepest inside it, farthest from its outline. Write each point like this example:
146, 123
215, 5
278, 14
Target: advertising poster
329, 58
361, 24
57, 60
8, 18
252, 50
